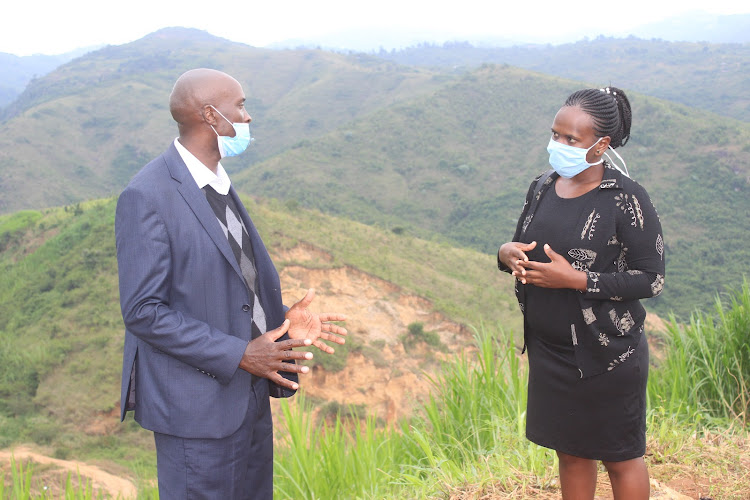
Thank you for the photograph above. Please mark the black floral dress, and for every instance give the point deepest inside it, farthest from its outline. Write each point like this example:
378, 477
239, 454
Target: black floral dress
588, 357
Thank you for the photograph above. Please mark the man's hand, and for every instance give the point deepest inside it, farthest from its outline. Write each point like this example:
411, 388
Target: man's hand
558, 273
307, 325
265, 357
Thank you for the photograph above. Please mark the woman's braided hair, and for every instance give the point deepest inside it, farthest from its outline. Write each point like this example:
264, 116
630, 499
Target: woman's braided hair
610, 109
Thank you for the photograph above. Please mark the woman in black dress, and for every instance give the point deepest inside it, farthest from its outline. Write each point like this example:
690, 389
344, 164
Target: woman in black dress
587, 247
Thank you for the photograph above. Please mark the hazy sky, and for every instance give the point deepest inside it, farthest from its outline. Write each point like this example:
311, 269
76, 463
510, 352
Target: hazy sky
54, 26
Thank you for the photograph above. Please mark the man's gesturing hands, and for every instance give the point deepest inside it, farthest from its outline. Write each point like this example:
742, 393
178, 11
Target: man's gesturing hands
309, 325
265, 357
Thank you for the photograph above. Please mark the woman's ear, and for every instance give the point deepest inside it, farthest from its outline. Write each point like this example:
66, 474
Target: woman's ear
602, 146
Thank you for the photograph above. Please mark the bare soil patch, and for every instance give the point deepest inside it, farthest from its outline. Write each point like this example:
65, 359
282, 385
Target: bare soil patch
50, 474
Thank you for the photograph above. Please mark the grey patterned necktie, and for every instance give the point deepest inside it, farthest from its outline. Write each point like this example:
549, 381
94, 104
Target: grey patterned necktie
228, 216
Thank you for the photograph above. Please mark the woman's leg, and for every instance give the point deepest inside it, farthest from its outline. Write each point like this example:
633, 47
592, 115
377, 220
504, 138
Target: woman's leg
577, 477
629, 479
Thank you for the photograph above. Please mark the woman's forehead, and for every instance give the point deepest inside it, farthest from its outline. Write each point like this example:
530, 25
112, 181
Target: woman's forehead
573, 119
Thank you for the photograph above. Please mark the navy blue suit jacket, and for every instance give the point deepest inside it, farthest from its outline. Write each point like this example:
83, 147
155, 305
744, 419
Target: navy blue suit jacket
186, 307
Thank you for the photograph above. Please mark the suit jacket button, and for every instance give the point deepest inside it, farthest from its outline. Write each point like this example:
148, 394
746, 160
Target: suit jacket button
245, 307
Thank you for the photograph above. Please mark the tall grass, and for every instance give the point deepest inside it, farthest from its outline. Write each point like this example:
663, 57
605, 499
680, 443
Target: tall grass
320, 461
472, 426
706, 373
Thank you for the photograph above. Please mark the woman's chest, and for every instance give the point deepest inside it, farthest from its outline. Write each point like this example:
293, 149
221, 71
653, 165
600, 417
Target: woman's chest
583, 229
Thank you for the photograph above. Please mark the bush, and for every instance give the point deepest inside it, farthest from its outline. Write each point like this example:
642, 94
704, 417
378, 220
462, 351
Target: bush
416, 334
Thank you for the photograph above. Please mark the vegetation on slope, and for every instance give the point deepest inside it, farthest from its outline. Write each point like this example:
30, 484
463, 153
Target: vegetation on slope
707, 76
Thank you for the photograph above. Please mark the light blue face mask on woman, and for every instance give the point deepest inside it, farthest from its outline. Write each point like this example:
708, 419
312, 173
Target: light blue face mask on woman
569, 161
233, 146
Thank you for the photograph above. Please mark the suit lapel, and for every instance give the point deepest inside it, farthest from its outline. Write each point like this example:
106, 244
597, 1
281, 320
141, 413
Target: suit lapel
196, 200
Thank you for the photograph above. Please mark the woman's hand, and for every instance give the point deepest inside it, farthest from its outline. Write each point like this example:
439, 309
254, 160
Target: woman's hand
558, 273
513, 253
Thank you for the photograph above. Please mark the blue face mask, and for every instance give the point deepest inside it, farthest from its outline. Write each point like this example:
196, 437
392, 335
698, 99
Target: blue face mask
233, 146
569, 161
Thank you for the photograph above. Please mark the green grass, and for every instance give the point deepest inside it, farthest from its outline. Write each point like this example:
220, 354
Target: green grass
471, 427
706, 374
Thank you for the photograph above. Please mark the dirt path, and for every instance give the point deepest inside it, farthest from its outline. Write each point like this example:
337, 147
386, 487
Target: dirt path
114, 486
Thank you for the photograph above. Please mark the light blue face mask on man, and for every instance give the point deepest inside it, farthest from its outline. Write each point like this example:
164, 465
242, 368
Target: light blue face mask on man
233, 146
569, 161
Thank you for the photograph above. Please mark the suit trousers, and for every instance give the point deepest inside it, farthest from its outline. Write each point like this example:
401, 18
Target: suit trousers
237, 467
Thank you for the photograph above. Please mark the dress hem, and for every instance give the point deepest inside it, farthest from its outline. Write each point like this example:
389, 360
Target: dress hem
605, 457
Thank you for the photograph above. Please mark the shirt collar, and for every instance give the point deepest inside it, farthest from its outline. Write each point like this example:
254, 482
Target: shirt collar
202, 175
612, 178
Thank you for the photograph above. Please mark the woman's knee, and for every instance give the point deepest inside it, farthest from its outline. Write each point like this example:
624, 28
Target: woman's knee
573, 461
626, 466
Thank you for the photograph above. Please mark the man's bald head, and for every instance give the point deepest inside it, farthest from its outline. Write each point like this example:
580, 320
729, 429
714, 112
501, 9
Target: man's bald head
197, 88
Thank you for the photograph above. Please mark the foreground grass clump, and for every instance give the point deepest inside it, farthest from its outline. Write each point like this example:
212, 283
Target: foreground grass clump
471, 429
706, 374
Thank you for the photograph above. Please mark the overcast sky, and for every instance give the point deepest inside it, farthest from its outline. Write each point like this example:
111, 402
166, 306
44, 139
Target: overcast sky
54, 26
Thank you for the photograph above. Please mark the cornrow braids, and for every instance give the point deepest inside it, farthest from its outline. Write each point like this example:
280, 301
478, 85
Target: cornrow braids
610, 109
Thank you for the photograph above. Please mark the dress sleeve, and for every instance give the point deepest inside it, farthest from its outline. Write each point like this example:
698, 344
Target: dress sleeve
520, 223
640, 266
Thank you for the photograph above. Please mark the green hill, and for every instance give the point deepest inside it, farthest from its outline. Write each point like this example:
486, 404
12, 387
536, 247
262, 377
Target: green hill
83, 130
61, 332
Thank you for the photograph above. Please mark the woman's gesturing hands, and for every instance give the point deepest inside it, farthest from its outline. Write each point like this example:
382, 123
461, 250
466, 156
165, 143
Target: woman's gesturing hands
558, 273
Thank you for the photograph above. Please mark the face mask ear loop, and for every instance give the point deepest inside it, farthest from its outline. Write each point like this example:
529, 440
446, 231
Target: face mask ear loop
625, 172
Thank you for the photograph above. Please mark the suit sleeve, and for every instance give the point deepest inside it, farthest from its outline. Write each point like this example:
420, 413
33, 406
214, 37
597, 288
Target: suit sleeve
144, 256
642, 252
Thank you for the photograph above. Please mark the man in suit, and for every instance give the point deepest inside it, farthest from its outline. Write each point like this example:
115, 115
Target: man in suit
207, 337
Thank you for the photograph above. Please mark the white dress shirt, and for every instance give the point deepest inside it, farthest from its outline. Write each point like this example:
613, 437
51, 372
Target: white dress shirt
202, 174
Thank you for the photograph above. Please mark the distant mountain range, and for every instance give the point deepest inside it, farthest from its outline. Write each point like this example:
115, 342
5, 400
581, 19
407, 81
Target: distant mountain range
696, 26
18, 71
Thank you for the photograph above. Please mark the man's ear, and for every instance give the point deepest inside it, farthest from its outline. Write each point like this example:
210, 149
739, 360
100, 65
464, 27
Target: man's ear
209, 114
